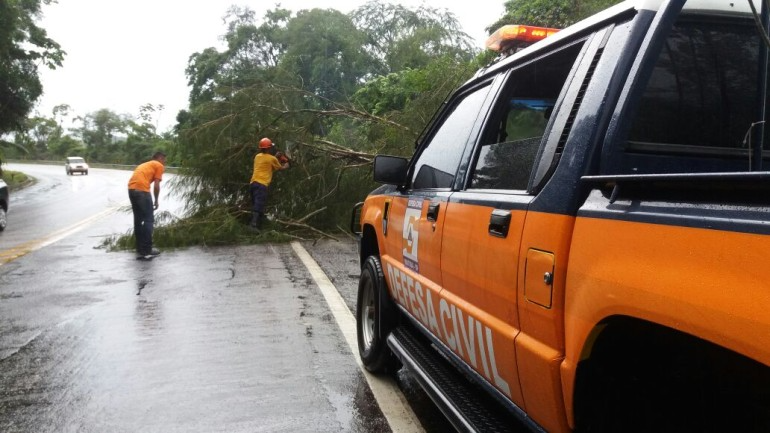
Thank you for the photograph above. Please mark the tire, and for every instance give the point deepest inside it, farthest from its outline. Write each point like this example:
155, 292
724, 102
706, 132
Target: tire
86, 172
373, 322
3, 219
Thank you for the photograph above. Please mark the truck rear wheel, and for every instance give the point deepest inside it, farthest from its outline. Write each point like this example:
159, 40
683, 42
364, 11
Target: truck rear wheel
643, 378
373, 322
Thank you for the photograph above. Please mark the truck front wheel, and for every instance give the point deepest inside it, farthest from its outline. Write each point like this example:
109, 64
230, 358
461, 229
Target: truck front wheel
373, 322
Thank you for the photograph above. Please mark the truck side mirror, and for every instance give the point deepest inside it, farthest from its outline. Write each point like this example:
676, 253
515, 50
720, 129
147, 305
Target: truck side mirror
390, 170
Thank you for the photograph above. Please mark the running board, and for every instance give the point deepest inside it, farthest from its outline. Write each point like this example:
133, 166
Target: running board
465, 404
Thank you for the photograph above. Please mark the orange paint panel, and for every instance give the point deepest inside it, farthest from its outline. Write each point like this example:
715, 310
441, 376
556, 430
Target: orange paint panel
540, 346
541, 380
489, 350
549, 233
371, 213
430, 241
484, 342
415, 292
478, 267
708, 283
538, 286
479, 273
393, 244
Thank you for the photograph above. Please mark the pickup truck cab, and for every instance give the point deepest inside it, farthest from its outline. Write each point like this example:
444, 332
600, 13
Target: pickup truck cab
580, 240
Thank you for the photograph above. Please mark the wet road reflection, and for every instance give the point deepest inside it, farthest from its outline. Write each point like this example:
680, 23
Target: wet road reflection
228, 339
234, 340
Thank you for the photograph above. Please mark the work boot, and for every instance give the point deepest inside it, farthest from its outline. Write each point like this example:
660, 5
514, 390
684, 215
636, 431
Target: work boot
255, 223
154, 252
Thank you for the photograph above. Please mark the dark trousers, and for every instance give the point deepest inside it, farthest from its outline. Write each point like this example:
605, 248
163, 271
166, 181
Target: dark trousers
144, 219
258, 200
258, 197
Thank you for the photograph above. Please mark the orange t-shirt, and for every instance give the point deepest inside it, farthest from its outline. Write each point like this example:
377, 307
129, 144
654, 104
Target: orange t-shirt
145, 174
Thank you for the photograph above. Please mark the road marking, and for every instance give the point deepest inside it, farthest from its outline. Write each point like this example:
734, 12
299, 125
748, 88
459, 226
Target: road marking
391, 400
22, 249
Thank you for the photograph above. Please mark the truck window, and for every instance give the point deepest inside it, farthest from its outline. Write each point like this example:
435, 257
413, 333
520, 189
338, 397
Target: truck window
437, 163
697, 111
512, 138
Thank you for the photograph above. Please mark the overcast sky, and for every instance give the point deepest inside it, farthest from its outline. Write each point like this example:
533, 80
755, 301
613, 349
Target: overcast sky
122, 54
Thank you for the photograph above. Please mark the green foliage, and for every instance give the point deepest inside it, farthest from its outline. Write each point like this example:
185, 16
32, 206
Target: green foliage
325, 51
311, 83
210, 227
402, 38
103, 136
23, 47
414, 92
202, 69
65, 146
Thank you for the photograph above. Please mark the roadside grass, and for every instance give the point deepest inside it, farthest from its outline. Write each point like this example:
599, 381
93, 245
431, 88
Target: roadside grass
215, 227
17, 180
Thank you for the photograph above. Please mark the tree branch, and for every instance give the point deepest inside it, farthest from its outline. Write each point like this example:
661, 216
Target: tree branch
337, 151
306, 217
305, 226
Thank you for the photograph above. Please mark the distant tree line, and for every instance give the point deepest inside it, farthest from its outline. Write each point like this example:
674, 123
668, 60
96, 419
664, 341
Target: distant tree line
102, 136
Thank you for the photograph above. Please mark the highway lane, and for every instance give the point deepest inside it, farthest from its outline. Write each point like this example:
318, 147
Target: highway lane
201, 339
58, 205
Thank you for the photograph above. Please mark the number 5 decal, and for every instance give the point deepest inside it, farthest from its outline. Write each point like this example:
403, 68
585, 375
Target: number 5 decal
411, 234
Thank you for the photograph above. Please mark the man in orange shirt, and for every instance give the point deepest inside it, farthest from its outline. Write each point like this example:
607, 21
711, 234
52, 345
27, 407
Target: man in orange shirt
265, 163
141, 203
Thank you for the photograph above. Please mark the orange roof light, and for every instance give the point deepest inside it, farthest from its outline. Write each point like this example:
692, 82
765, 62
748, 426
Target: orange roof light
518, 34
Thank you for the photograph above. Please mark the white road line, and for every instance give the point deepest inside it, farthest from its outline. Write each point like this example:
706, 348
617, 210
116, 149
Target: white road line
17, 251
391, 400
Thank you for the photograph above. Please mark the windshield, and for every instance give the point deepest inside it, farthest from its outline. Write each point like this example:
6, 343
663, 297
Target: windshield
76, 160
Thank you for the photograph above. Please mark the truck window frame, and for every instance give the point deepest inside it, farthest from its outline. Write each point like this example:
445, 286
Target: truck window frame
444, 114
493, 116
618, 156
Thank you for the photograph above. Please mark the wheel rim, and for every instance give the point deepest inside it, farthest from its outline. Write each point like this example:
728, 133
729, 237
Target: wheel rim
368, 316
3, 219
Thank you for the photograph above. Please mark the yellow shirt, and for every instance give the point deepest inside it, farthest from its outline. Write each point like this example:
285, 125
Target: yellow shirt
264, 166
145, 174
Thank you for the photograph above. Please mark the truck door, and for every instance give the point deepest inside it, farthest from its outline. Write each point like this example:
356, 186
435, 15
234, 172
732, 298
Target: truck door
481, 251
415, 218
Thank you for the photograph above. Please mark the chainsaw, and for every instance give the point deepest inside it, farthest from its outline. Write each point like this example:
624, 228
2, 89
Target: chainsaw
285, 157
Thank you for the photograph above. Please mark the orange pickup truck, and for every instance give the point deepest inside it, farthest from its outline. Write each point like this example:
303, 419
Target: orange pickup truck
581, 240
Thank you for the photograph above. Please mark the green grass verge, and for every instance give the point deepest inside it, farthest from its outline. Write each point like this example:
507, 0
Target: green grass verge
17, 180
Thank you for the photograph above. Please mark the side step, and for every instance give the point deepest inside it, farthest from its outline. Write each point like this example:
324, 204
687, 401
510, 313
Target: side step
468, 407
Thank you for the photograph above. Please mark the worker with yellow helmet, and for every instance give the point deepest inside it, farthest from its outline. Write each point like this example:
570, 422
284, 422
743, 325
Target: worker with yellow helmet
266, 162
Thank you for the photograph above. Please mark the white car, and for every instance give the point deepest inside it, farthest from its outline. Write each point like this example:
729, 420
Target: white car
75, 164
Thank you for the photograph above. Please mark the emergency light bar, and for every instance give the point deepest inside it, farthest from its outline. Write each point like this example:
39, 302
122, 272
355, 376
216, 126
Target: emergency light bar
517, 36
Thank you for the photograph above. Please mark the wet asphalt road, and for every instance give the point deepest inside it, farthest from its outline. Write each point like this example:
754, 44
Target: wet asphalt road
198, 340
208, 341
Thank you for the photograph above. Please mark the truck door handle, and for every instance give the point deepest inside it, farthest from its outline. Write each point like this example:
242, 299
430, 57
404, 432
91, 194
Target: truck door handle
499, 223
433, 211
